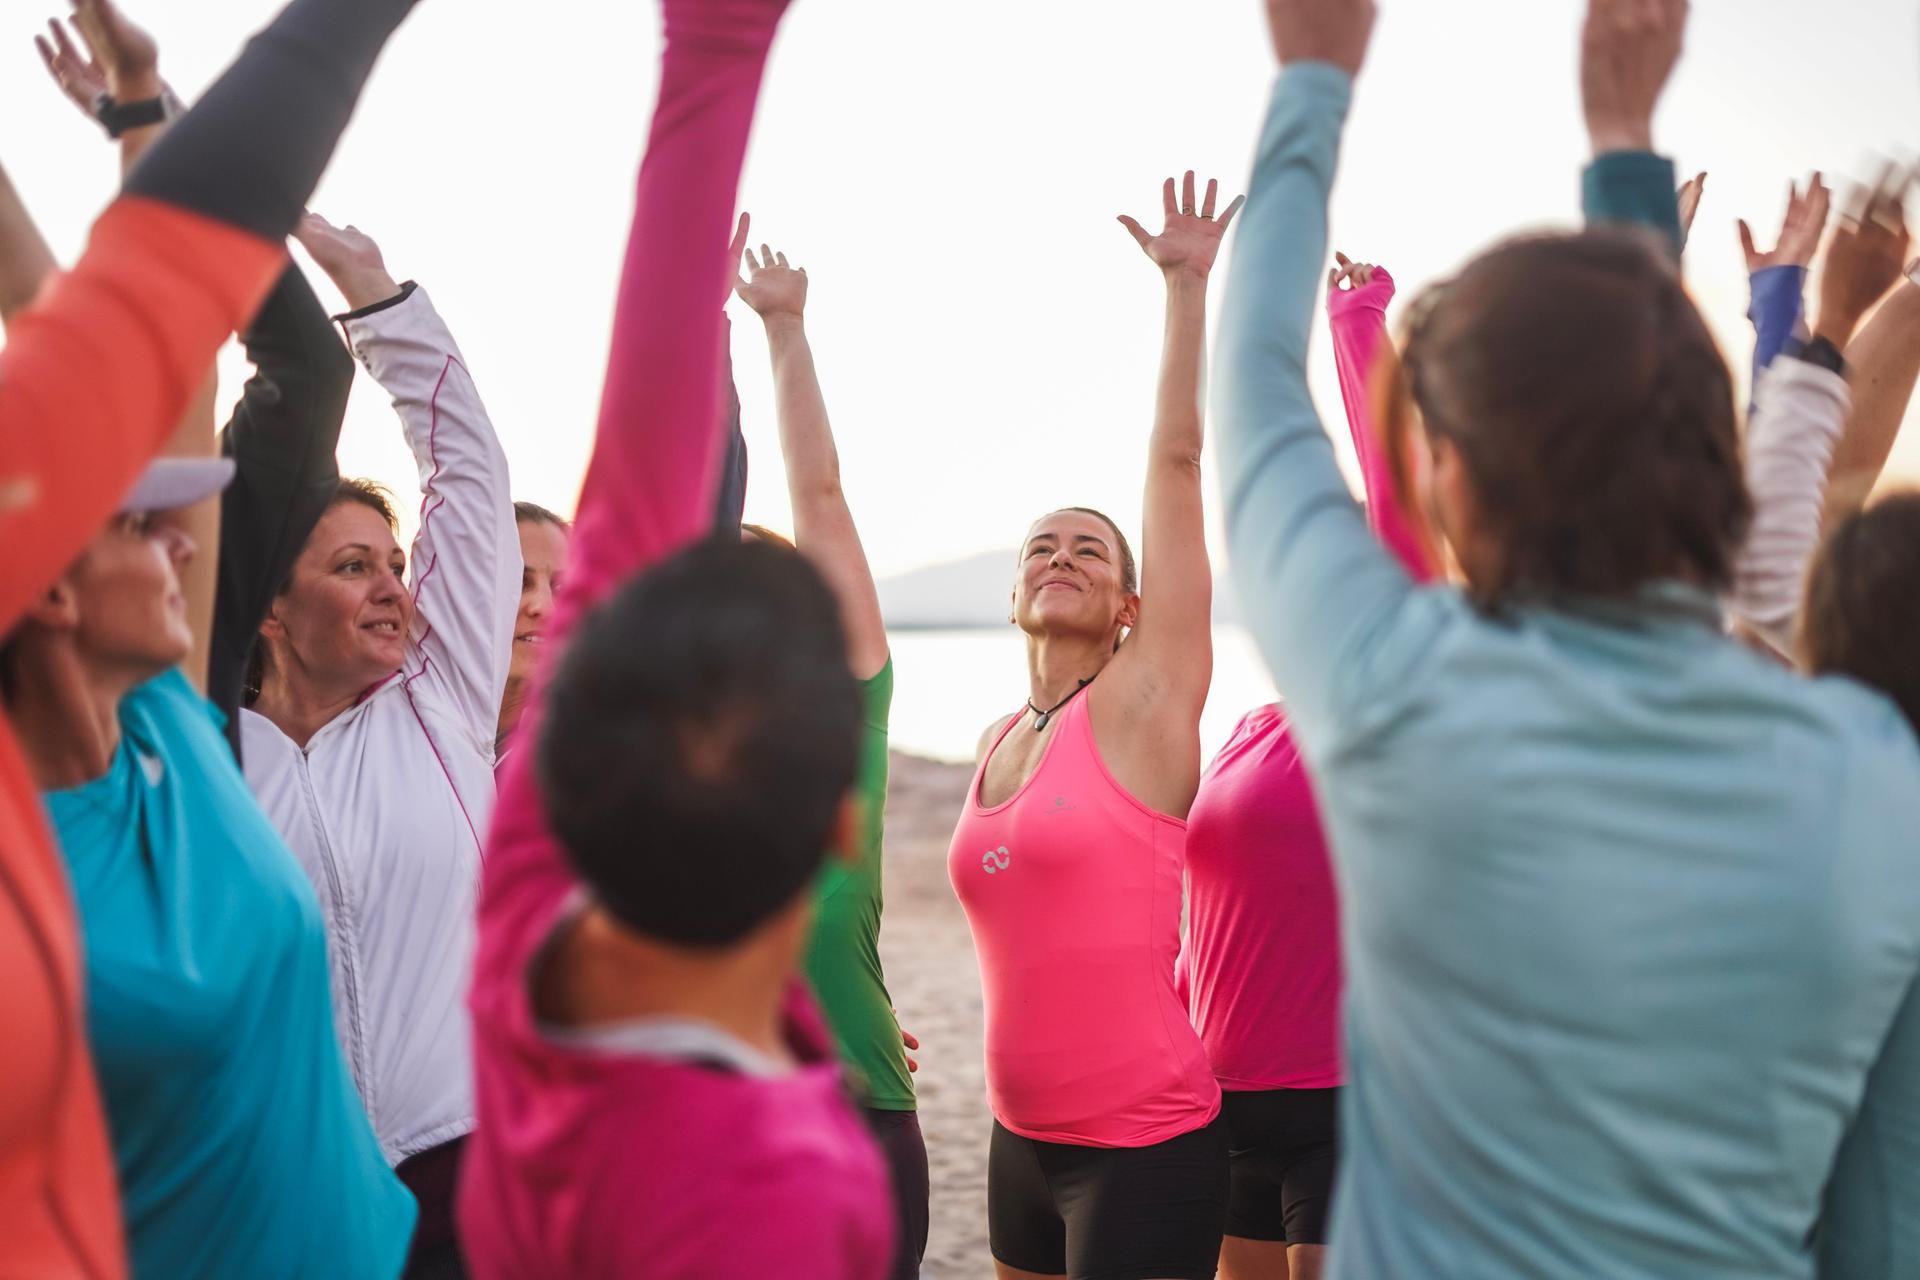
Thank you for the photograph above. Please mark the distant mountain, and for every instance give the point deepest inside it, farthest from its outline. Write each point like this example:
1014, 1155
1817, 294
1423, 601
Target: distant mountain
972, 593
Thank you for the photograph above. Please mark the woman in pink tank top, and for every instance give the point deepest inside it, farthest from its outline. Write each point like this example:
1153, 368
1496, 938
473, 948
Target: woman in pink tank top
1108, 1155
1262, 957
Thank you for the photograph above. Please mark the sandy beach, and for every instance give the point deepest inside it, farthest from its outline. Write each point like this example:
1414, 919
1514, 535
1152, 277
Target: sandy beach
928, 955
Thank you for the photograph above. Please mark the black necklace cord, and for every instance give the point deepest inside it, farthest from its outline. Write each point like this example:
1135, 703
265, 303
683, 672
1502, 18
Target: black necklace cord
1044, 716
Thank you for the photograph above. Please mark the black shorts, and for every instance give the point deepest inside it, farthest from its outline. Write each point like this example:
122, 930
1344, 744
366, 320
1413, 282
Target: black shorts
1109, 1213
898, 1136
1285, 1144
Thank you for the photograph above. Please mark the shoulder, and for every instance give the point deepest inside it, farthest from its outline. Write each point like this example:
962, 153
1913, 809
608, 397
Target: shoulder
990, 735
171, 704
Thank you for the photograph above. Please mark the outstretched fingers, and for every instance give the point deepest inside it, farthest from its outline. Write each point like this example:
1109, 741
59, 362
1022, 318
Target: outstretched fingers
1186, 194
1138, 232
1226, 218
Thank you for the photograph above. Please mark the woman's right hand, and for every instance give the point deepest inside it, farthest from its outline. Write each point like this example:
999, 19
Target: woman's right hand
775, 290
1799, 233
121, 60
350, 258
1863, 261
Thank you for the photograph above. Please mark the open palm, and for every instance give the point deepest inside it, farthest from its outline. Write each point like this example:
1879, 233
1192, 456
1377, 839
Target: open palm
1799, 232
772, 287
1190, 241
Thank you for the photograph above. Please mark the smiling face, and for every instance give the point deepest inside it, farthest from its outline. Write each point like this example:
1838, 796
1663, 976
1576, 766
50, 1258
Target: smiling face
121, 600
1073, 578
543, 556
343, 620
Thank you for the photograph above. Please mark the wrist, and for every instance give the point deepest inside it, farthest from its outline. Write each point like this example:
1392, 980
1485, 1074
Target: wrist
1186, 278
1620, 135
784, 324
138, 86
365, 288
1837, 328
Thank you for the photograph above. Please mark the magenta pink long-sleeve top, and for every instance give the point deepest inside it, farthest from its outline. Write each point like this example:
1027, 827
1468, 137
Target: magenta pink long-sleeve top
590, 1163
1262, 955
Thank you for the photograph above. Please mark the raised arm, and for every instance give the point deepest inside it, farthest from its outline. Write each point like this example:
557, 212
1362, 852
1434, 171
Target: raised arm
465, 564
26, 263
1884, 364
282, 437
649, 489
1357, 298
1172, 641
823, 526
1311, 576
1628, 50
1798, 418
116, 61
99, 370
1779, 276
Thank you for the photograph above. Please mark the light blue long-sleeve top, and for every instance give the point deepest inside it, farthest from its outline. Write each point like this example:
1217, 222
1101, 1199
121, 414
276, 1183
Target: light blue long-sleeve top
1628, 909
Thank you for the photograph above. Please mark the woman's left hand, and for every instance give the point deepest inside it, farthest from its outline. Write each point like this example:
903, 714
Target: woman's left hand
1191, 238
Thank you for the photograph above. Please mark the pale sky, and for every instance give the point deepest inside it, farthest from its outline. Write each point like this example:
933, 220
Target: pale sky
949, 174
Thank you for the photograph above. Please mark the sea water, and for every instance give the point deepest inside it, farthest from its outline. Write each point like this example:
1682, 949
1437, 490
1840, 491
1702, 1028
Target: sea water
950, 685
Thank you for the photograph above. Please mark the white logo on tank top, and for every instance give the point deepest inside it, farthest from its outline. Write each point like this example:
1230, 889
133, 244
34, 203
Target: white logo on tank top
995, 860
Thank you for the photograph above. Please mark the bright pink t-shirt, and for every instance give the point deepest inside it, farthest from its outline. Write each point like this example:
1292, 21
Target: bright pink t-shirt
1262, 958
1261, 965
1072, 890
594, 1163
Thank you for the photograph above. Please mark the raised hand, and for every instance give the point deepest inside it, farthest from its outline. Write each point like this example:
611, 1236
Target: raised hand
1628, 50
1190, 240
1335, 31
1864, 260
121, 60
1799, 234
1351, 277
771, 287
350, 258
1688, 198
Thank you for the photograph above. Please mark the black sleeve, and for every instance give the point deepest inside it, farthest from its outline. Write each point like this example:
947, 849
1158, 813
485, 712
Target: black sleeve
731, 503
281, 438
251, 151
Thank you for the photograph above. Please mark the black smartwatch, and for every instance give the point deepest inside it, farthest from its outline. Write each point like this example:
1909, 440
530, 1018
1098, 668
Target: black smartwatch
120, 117
1820, 353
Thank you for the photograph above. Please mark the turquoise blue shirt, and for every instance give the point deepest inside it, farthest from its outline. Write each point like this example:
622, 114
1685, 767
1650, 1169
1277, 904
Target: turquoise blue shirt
241, 1146
1628, 909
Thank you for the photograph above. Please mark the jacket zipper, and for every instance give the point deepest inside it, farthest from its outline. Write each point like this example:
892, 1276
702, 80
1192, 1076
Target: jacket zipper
348, 943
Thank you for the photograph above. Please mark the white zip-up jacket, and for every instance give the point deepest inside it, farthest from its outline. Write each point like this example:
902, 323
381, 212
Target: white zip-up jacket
387, 805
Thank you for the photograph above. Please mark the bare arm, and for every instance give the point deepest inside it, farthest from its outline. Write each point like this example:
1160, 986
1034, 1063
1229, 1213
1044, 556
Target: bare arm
1885, 364
1174, 636
823, 527
25, 260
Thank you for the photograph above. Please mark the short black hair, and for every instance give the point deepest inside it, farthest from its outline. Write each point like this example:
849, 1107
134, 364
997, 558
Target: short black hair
700, 736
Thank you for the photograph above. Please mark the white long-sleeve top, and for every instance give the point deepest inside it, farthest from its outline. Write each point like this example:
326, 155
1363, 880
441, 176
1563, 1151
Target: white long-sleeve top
1799, 412
387, 806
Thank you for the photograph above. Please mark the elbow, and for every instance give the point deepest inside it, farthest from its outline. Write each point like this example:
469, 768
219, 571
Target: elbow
1182, 461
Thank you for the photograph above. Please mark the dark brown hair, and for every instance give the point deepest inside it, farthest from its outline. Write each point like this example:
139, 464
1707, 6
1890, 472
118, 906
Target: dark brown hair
534, 513
1862, 612
370, 494
1592, 411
